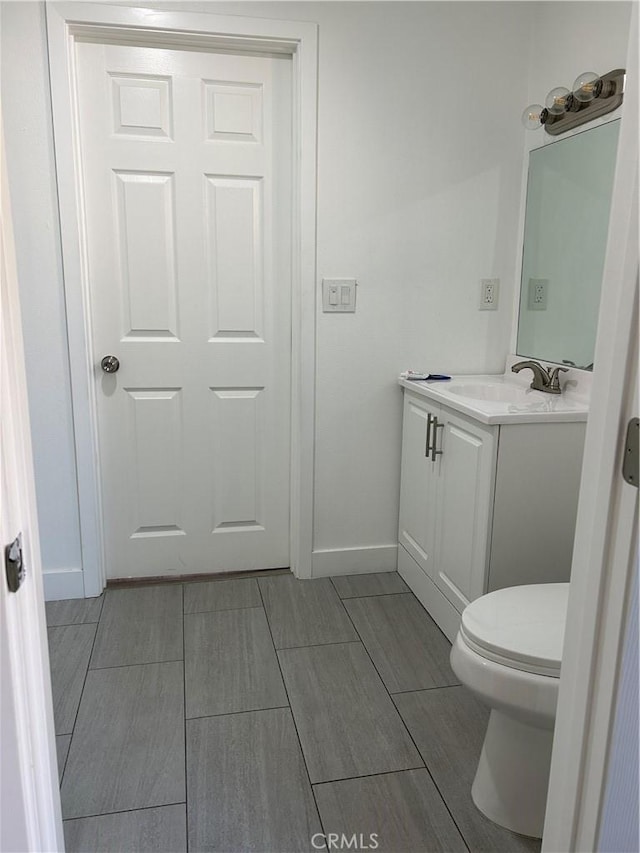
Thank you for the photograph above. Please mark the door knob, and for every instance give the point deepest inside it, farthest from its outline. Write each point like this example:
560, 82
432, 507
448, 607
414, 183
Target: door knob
110, 364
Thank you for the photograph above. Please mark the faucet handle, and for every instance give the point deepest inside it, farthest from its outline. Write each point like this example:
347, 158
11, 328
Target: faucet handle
554, 378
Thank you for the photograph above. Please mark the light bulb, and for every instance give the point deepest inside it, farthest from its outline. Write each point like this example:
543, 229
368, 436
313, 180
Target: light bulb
556, 100
584, 86
534, 116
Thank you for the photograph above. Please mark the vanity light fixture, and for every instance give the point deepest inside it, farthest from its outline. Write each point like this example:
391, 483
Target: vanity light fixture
592, 96
585, 86
557, 101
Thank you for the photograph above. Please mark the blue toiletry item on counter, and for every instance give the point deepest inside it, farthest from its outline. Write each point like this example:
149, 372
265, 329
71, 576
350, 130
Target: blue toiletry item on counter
417, 376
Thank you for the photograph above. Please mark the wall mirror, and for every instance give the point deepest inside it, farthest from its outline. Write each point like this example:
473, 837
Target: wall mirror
569, 190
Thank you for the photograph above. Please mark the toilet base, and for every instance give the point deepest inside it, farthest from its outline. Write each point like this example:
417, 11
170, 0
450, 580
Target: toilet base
512, 778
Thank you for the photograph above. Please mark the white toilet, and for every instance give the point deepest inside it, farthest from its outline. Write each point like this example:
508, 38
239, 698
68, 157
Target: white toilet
508, 653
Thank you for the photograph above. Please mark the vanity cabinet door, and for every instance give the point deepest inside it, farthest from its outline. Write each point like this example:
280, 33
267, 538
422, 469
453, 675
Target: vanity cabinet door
418, 483
464, 492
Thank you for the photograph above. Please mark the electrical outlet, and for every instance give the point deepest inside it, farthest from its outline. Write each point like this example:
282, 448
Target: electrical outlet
489, 292
537, 295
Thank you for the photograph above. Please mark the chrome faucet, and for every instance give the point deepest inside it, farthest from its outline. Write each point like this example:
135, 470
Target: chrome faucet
544, 379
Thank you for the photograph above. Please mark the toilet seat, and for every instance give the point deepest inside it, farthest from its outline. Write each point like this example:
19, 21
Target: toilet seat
520, 627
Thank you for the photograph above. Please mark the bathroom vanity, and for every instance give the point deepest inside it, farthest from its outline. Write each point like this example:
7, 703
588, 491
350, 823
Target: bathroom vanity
489, 488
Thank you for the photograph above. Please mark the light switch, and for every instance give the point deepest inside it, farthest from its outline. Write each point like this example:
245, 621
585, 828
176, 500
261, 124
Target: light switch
339, 295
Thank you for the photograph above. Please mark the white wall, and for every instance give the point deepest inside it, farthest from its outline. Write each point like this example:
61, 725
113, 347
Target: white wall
418, 180
572, 37
420, 170
29, 146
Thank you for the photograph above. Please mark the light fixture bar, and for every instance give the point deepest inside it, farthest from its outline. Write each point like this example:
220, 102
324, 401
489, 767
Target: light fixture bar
566, 110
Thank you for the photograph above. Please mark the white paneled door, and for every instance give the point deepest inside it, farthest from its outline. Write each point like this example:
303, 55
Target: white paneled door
186, 160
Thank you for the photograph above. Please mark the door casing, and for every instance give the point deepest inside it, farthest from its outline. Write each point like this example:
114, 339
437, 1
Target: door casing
30, 812
125, 25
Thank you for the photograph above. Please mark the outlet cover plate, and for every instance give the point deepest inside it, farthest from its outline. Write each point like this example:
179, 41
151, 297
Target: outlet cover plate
537, 294
489, 293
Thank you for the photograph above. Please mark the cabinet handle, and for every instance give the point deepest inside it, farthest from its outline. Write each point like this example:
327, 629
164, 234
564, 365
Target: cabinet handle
427, 448
436, 427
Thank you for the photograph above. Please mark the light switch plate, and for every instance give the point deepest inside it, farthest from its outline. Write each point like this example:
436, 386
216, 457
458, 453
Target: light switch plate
339, 295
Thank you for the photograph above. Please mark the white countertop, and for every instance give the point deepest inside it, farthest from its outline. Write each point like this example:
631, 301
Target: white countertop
513, 401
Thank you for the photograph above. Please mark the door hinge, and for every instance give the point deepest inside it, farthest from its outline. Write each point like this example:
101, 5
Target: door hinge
631, 453
13, 563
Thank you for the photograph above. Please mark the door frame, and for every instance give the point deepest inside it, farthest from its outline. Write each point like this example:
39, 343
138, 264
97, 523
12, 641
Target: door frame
68, 21
605, 550
30, 811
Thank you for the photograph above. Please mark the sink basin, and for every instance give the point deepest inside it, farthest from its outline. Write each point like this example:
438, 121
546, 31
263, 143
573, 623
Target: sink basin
498, 392
495, 398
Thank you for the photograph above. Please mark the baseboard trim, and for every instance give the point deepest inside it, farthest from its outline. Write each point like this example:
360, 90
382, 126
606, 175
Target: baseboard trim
69, 583
119, 583
63, 583
331, 562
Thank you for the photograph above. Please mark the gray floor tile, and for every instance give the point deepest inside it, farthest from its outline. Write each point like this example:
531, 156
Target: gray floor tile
404, 811
127, 750
230, 663
62, 750
221, 595
449, 726
69, 651
406, 646
142, 625
247, 785
162, 830
74, 611
382, 583
347, 723
305, 612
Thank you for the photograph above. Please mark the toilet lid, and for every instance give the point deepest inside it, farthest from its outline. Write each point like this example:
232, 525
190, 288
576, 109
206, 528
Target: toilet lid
521, 626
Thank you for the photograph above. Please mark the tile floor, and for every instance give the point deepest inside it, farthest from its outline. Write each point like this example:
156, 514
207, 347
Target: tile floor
250, 714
